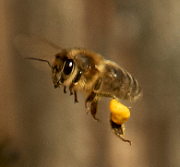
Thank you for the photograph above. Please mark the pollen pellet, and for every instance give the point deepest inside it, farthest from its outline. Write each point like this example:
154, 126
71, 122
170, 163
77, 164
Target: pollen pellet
119, 112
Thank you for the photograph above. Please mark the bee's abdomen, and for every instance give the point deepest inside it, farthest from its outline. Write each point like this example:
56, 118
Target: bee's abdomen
132, 90
118, 82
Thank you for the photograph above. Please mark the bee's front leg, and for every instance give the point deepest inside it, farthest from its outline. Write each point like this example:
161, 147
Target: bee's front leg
73, 92
74, 82
65, 91
75, 97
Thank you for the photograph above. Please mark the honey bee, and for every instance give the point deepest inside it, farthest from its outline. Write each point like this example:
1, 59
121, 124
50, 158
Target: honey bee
82, 70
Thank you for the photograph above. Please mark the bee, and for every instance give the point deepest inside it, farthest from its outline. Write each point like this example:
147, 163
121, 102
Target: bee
81, 70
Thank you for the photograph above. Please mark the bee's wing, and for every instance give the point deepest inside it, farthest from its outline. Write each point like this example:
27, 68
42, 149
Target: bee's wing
32, 46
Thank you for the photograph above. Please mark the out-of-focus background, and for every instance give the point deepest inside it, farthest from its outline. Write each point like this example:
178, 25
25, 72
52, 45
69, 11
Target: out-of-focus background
40, 126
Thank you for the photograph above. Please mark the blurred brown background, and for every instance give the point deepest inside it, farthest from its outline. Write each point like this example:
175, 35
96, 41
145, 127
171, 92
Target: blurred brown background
42, 127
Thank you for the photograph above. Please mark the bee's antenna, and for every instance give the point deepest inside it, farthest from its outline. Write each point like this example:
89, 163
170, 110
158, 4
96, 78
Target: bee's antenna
39, 60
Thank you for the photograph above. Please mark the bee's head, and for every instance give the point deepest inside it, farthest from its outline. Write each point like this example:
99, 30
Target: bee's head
62, 68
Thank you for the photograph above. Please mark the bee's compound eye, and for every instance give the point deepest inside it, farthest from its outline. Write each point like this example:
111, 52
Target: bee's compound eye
119, 112
69, 64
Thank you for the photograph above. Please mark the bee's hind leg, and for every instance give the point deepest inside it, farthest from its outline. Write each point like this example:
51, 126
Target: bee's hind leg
118, 130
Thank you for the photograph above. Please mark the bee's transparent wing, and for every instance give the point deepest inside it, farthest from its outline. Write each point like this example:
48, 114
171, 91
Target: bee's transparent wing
32, 46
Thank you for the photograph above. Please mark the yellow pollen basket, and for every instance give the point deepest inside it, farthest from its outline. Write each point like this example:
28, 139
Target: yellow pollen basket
119, 112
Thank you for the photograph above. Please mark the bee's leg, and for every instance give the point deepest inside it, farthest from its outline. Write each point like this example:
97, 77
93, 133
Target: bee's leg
89, 99
93, 99
74, 82
94, 107
107, 95
73, 92
118, 130
65, 91
71, 89
57, 84
75, 96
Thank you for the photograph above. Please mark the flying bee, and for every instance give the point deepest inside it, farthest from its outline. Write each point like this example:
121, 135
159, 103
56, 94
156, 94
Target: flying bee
81, 70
